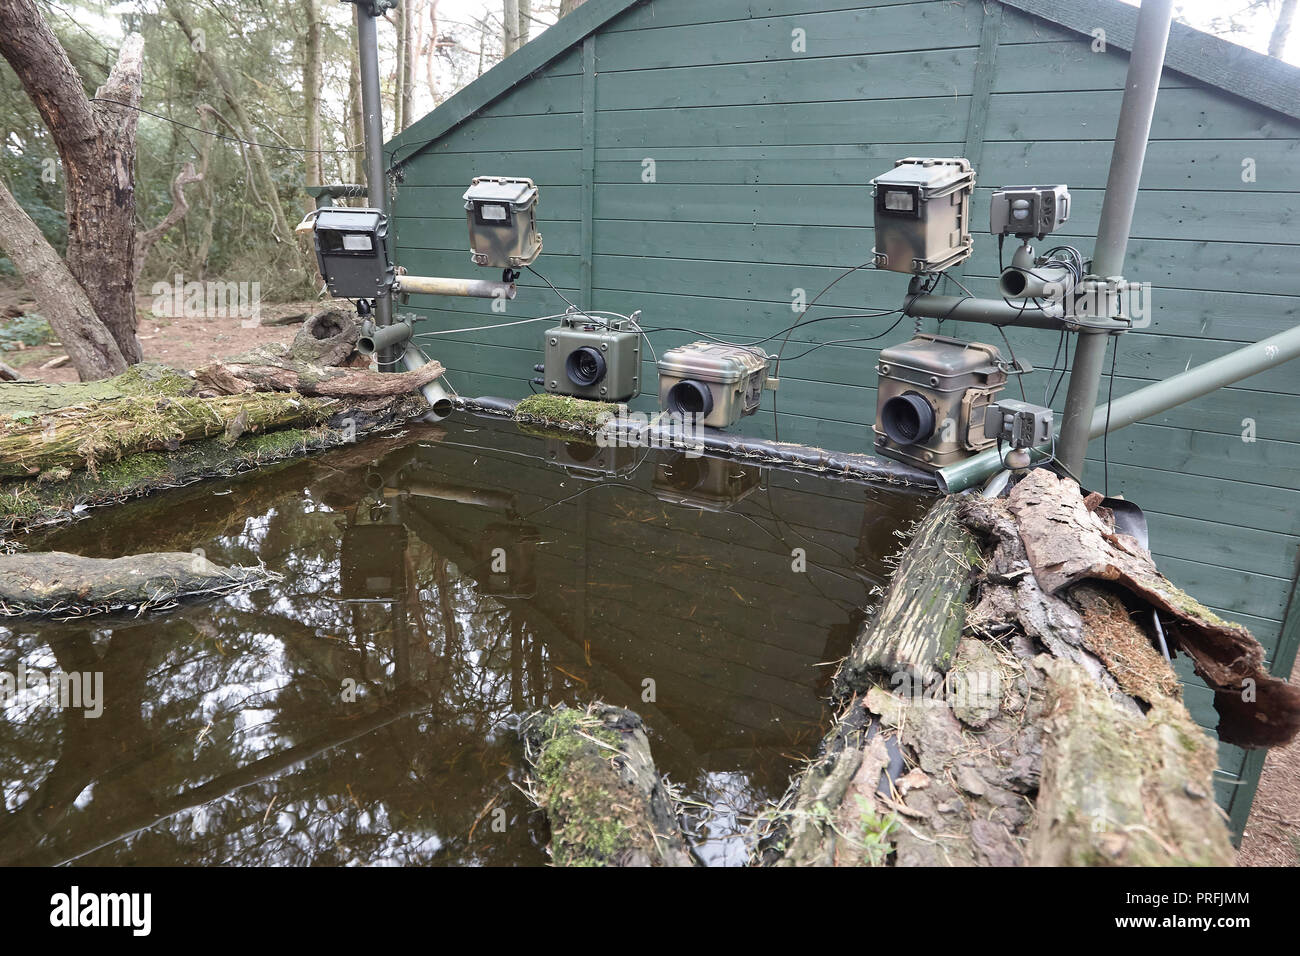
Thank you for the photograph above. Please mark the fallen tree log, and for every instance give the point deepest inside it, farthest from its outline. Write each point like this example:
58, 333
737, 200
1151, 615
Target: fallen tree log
83, 436
65, 586
1054, 735
592, 773
318, 362
917, 627
91, 443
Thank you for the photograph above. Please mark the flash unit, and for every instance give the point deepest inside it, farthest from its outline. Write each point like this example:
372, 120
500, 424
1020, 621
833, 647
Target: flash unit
1028, 212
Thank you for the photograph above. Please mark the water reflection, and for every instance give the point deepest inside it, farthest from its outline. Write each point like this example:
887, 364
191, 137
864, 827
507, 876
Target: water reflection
435, 585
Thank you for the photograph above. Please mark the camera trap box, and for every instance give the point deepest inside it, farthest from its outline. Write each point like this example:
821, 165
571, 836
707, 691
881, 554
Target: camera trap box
502, 216
593, 359
932, 394
923, 215
714, 383
352, 252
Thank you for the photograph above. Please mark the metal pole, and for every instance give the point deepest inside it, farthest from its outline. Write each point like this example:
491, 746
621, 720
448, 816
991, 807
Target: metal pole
372, 110
1195, 382
1146, 62
1145, 402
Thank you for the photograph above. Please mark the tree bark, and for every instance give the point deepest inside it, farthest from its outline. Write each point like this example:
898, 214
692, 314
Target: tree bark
96, 142
510, 26
311, 84
69, 586
59, 295
1282, 29
918, 625
403, 20
568, 6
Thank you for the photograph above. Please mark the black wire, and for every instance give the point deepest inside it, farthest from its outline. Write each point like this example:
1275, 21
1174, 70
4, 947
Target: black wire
801, 323
212, 132
562, 295
1105, 438
867, 338
1015, 363
816, 298
1052, 371
1065, 367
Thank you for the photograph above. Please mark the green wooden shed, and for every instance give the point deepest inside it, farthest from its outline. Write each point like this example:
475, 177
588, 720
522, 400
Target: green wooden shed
708, 164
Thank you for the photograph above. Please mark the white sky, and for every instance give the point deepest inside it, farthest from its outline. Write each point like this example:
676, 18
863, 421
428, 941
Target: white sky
1197, 13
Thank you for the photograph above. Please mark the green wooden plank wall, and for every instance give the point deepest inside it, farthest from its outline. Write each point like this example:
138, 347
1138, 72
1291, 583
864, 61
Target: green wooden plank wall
761, 154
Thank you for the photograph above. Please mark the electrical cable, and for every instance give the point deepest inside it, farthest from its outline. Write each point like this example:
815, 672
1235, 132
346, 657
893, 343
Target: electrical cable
1105, 437
816, 299
823, 318
212, 132
484, 328
1052, 371
868, 338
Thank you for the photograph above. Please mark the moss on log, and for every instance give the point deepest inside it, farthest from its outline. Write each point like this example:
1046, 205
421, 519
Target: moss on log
564, 412
86, 436
55, 497
1119, 790
593, 775
55, 584
918, 623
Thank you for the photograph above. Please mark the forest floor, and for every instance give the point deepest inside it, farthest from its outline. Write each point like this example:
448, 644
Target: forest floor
1272, 836
182, 342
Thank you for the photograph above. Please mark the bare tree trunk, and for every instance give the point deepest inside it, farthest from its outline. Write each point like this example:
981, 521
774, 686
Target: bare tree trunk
399, 69
354, 120
96, 142
525, 20
311, 82
270, 196
568, 6
59, 295
145, 240
510, 30
433, 51
1282, 29
410, 17
199, 262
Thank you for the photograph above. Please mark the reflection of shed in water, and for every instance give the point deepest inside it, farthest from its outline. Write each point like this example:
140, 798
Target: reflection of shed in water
671, 588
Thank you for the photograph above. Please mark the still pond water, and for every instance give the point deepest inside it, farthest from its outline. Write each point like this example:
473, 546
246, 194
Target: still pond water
435, 586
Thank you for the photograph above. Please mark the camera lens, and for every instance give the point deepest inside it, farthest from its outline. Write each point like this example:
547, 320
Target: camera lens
907, 419
584, 366
690, 398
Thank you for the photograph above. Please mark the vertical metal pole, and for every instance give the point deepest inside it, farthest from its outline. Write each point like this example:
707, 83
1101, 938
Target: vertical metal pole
1146, 62
372, 110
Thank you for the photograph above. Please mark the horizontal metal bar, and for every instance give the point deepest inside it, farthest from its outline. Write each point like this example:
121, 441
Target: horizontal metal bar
466, 288
958, 308
1146, 402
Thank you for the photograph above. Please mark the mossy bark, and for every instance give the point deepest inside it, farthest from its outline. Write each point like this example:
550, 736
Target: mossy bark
85, 436
1054, 735
66, 585
593, 775
55, 497
918, 623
